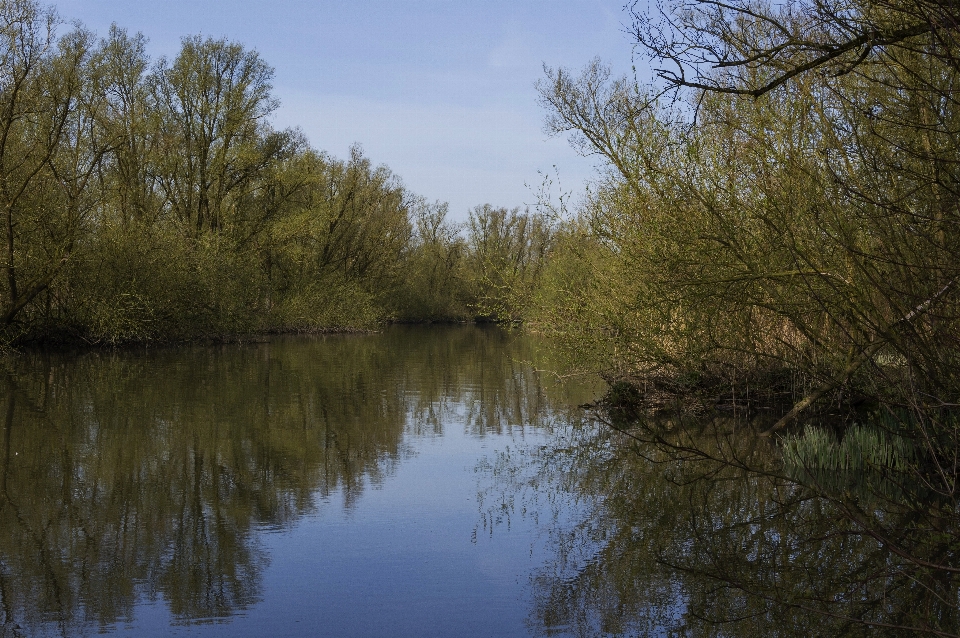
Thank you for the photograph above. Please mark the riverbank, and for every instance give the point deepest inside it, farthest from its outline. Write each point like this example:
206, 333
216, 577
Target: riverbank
67, 342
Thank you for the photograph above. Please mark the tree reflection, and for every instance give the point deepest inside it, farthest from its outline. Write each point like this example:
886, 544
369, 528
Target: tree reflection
129, 476
695, 529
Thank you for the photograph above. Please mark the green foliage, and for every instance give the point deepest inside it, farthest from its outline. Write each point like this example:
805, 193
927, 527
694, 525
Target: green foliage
773, 234
152, 200
211, 103
151, 285
867, 462
791, 219
435, 271
862, 448
507, 253
50, 149
337, 256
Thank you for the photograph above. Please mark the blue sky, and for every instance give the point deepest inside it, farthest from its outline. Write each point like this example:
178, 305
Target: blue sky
438, 90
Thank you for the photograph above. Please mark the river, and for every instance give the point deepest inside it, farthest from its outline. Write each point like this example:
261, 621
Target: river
341, 485
426, 481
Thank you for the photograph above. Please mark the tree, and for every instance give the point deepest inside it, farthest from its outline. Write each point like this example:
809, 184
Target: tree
884, 77
507, 251
337, 254
435, 281
819, 220
132, 116
213, 139
51, 144
788, 227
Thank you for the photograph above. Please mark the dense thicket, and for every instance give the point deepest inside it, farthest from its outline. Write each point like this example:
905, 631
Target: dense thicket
809, 233
778, 225
153, 200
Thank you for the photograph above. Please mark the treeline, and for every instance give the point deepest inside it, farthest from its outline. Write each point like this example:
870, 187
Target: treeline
152, 200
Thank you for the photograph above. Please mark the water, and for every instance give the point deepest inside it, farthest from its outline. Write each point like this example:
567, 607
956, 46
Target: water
339, 485
429, 481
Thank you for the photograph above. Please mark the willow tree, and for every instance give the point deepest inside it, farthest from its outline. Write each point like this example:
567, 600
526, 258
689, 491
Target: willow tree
338, 252
886, 76
213, 139
815, 210
435, 283
507, 252
129, 182
51, 143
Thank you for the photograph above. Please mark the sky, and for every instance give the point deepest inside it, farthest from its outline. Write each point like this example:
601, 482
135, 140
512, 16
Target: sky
441, 91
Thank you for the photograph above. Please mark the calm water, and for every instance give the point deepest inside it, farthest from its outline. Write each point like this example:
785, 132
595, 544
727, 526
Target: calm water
341, 486
426, 482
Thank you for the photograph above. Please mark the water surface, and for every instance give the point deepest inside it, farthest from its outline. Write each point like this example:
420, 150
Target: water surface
425, 482
335, 485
